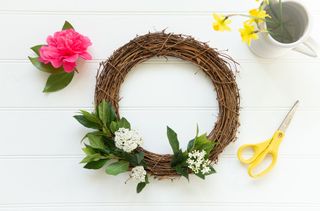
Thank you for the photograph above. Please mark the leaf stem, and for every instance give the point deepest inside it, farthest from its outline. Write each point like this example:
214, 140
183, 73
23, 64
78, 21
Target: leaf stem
280, 14
247, 16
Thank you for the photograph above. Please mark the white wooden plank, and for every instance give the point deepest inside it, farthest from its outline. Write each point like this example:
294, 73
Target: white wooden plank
63, 181
276, 84
56, 134
185, 207
109, 32
279, 84
138, 5
26, 84
68, 133
262, 85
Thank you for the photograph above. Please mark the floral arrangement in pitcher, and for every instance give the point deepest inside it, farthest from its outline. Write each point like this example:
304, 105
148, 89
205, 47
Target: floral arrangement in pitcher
59, 55
250, 30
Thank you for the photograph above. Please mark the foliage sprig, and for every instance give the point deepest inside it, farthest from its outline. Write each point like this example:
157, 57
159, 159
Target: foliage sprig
102, 147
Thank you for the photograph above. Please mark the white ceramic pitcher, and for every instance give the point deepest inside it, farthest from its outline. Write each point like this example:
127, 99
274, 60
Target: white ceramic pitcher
268, 47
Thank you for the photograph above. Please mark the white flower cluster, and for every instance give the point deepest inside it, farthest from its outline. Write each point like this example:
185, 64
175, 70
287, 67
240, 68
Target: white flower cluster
138, 173
127, 140
197, 163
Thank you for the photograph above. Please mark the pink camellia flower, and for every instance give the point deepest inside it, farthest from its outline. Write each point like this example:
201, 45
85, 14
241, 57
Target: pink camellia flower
64, 48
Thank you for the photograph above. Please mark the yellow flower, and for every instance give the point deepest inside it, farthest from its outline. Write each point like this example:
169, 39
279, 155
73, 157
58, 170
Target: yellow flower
258, 15
221, 23
248, 33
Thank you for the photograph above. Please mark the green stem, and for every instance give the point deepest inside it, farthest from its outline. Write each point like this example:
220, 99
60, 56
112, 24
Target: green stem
263, 4
280, 14
244, 15
111, 156
278, 18
248, 16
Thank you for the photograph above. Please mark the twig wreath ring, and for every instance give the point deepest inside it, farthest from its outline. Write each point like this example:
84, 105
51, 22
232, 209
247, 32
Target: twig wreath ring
113, 138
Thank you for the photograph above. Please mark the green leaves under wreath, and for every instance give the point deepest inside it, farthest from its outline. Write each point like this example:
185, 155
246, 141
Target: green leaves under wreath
113, 144
195, 158
58, 57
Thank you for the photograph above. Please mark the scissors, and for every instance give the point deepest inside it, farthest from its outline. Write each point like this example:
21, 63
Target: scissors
268, 147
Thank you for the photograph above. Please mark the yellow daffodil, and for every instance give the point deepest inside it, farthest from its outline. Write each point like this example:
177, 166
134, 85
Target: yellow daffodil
248, 33
258, 15
221, 23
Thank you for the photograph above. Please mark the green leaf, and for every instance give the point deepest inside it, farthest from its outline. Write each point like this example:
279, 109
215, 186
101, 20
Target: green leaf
117, 167
88, 150
139, 157
182, 170
48, 68
111, 147
147, 179
85, 122
114, 126
135, 159
200, 175
106, 131
58, 81
96, 133
67, 25
197, 131
89, 158
178, 158
123, 123
90, 116
106, 113
203, 143
141, 186
36, 49
190, 145
212, 171
173, 140
95, 164
277, 28
178, 163
96, 142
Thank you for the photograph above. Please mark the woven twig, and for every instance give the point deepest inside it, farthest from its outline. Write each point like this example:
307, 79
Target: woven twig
217, 66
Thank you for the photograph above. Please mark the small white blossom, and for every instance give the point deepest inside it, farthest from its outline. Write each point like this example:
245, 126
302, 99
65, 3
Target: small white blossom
138, 173
197, 163
205, 170
127, 140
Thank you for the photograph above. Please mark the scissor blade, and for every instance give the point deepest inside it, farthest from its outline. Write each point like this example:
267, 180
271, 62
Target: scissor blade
285, 123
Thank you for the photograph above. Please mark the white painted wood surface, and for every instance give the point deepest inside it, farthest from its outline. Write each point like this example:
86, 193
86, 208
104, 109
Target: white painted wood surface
39, 144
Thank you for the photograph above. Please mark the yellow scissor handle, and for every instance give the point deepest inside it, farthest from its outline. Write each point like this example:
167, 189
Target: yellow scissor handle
258, 161
257, 150
260, 151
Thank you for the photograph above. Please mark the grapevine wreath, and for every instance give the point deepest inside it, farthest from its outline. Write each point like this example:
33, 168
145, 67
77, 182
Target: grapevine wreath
118, 147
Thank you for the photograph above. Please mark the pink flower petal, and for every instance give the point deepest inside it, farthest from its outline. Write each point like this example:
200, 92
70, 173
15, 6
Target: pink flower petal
69, 66
72, 58
86, 41
56, 63
51, 41
47, 52
64, 48
86, 56
43, 61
